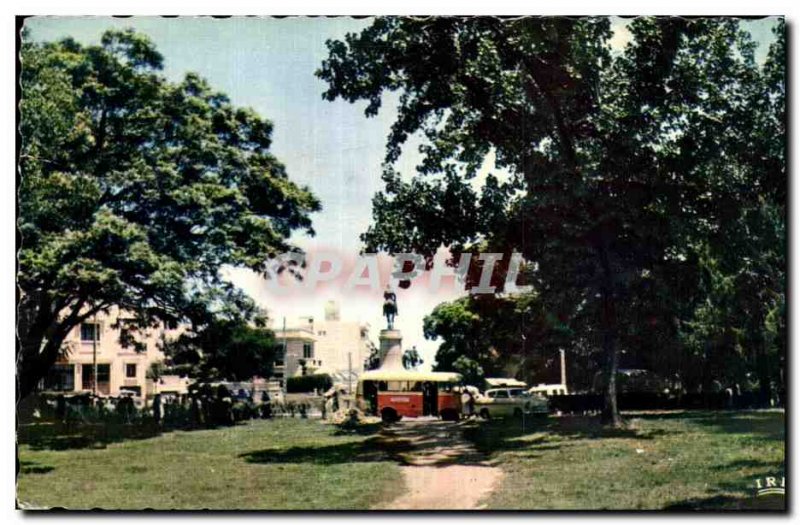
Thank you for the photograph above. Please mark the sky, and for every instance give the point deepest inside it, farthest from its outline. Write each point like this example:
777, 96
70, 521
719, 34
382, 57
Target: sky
268, 64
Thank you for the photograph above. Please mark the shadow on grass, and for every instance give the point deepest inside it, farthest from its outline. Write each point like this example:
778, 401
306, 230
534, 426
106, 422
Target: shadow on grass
55, 436
509, 434
31, 467
59, 436
435, 444
770, 425
430, 444
368, 429
358, 452
717, 503
768, 466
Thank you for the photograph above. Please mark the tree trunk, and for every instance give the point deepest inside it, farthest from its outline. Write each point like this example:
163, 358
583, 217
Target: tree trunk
33, 363
763, 364
39, 342
765, 393
610, 414
28, 364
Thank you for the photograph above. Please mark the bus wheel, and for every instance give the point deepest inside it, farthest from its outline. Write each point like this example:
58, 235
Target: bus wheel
485, 413
389, 415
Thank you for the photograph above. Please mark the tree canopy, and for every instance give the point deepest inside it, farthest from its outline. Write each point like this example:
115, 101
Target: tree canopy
135, 191
505, 335
635, 176
224, 349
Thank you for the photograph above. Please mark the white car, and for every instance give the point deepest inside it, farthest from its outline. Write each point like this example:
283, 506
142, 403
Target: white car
504, 402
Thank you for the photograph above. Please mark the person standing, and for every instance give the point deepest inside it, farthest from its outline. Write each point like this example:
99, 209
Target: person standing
266, 405
157, 411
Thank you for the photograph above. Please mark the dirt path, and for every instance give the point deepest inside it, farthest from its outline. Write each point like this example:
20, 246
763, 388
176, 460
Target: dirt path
443, 470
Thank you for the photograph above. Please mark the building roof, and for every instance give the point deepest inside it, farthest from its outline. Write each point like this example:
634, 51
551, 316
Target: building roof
504, 381
409, 375
294, 333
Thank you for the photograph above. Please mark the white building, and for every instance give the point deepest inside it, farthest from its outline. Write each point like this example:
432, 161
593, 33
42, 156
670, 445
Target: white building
119, 367
329, 345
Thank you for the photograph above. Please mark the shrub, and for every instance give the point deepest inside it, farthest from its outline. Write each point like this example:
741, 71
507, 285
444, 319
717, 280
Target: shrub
303, 384
349, 419
244, 410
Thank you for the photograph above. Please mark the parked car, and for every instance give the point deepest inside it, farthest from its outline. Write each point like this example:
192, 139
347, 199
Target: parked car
138, 401
504, 402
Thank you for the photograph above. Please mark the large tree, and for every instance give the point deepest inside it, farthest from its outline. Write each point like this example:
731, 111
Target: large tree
736, 330
135, 192
620, 164
224, 348
508, 335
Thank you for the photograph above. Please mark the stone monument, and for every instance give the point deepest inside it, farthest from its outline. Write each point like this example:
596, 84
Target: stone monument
391, 339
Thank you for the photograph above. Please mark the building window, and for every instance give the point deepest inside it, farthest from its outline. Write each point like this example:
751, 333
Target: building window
61, 378
103, 377
90, 332
308, 351
130, 370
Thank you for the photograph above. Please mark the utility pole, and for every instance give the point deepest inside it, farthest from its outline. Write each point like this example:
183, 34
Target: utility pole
95, 334
285, 362
563, 368
349, 373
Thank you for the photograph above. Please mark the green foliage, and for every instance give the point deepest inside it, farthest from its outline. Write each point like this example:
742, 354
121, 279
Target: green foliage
501, 333
309, 383
156, 370
623, 169
224, 350
471, 371
135, 191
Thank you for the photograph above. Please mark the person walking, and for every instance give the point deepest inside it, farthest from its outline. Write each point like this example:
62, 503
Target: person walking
470, 404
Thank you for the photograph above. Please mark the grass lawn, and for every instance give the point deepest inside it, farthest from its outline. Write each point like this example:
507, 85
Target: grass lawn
278, 464
673, 460
679, 460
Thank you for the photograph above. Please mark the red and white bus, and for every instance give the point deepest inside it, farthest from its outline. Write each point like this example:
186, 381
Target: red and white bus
393, 394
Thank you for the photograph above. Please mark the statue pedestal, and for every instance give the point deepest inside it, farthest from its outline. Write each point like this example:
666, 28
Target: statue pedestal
391, 350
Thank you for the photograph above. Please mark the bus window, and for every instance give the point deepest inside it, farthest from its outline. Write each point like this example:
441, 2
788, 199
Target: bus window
398, 386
